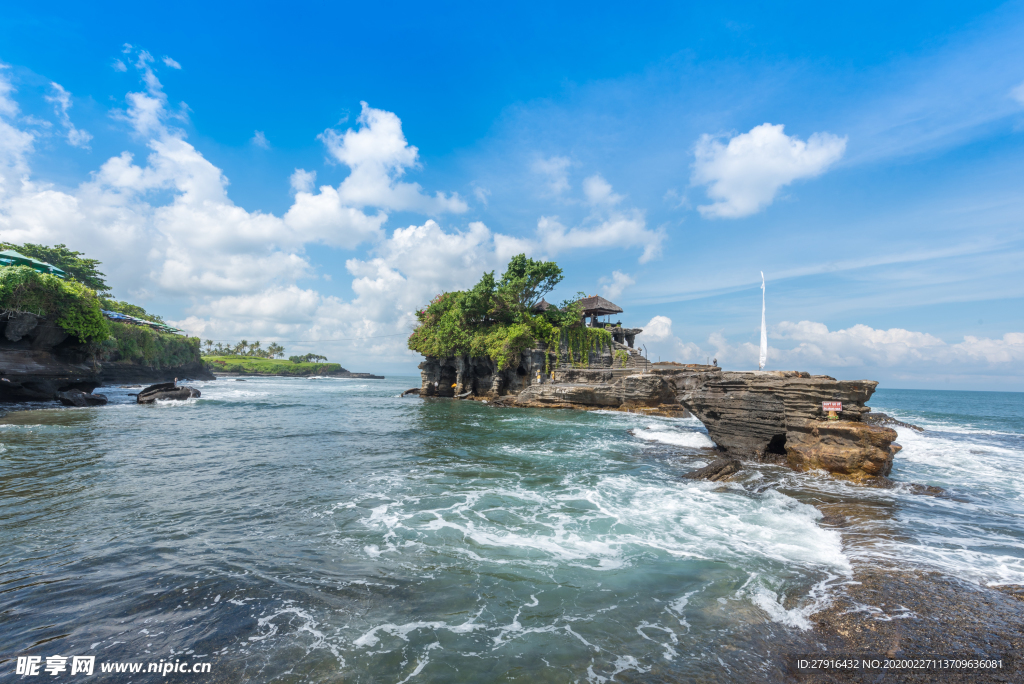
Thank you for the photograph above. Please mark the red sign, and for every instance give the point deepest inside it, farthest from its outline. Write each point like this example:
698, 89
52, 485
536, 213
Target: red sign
831, 406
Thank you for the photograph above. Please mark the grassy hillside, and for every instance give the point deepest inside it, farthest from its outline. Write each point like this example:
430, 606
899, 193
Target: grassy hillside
250, 365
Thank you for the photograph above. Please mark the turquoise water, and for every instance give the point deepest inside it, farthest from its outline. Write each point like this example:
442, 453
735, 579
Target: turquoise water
295, 530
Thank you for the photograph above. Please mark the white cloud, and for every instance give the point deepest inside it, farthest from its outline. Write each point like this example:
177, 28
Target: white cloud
662, 342
658, 329
303, 181
1017, 93
197, 242
744, 175
379, 155
555, 171
118, 65
618, 229
259, 139
403, 273
171, 63
862, 345
599, 191
612, 287
61, 100
15, 144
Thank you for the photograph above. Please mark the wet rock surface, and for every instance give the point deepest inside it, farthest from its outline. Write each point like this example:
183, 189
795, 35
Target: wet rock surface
38, 360
900, 614
80, 398
719, 469
167, 391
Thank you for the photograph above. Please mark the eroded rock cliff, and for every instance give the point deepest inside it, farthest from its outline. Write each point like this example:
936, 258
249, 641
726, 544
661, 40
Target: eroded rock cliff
777, 416
38, 360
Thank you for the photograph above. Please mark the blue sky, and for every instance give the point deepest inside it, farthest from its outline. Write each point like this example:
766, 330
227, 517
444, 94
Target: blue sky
867, 158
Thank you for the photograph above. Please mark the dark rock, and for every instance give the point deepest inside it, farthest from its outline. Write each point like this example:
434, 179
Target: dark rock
19, 325
79, 398
413, 390
166, 391
717, 470
1014, 590
876, 418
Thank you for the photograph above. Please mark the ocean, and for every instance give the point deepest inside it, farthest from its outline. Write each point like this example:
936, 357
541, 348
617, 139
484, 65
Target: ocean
327, 530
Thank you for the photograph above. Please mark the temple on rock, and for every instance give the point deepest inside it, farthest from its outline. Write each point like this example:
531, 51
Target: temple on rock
480, 376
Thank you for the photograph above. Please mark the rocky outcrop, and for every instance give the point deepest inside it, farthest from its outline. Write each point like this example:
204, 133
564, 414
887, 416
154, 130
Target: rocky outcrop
167, 391
766, 416
38, 359
716, 471
81, 399
601, 389
776, 416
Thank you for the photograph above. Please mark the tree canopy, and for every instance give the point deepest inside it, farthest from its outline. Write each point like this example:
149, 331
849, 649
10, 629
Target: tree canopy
81, 269
495, 317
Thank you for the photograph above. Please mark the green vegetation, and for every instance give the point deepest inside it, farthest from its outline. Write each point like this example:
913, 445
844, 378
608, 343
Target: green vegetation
74, 305
251, 365
622, 357
71, 304
142, 345
494, 319
243, 348
82, 270
308, 358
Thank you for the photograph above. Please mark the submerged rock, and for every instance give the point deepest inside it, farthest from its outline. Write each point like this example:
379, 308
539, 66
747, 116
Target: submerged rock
719, 469
79, 398
167, 391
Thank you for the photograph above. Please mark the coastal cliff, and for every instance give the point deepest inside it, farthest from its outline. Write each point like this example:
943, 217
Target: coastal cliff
38, 359
763, 416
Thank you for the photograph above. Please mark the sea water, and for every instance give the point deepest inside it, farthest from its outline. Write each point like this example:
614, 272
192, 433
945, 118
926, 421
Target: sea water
314, 530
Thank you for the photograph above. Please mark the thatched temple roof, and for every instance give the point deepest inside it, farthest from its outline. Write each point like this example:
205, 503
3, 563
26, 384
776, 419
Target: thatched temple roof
599, 306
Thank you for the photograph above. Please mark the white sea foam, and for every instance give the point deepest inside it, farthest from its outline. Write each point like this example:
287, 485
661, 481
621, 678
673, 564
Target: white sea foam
665, 434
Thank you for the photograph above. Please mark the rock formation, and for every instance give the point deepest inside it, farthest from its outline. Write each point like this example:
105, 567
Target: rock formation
167, 391
716, 471
38, 360
776, 416
766, 416
80, 398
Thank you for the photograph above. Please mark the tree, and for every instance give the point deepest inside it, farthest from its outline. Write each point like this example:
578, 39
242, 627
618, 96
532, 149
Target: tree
72, 263
275, 350
524, 284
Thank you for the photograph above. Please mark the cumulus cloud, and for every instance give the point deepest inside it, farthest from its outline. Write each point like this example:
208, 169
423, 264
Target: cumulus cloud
862, 345
302, 180
61, 100
599, 191
859, 349
400, 276
555, 171
612, 287
745, 174
15, 144
378, 155
197, 242
259, 139
616, 229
